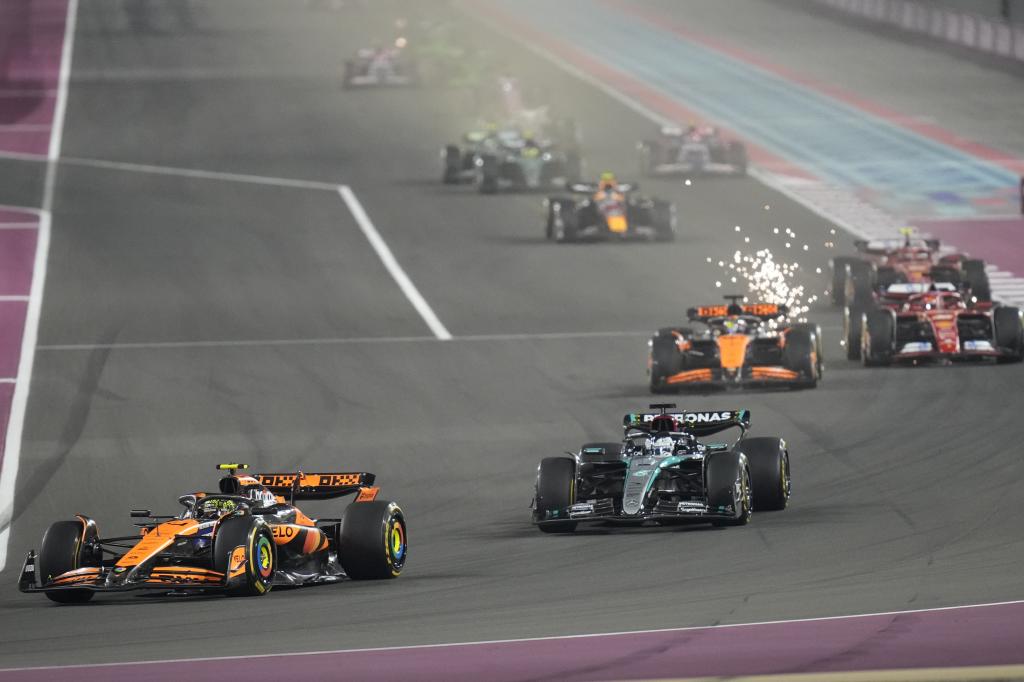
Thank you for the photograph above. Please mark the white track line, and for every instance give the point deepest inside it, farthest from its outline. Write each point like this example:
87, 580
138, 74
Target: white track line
391, 263
19, 402
7, 380
338, 341
591, 635
198, 174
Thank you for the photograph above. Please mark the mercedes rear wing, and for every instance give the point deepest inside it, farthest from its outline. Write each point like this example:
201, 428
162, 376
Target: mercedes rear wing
698, 423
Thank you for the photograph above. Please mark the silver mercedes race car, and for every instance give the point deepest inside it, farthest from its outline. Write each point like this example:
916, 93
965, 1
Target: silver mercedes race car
663, 473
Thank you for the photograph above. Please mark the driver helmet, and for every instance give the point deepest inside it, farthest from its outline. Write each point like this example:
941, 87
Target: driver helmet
607, 182
661, 447
211, 508
734, 326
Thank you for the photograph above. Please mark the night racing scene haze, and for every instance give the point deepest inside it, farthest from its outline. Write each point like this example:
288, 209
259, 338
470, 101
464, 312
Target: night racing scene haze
511, 340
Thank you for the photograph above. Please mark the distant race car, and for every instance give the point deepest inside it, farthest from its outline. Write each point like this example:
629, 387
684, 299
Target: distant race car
692, 150
918, 321
608, 210
243, 540
506, 159
661, 473
881, 262
380, 66
736, 345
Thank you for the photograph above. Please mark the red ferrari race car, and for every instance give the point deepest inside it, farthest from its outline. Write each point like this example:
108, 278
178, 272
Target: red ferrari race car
881, 262
920, 321
242, 540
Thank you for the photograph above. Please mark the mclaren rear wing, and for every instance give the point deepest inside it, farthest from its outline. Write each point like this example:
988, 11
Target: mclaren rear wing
322, 486
697, 423
766, 311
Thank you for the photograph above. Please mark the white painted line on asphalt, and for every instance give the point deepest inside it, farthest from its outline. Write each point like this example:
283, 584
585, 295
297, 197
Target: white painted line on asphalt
19, 402
555, 638
34, 210
7, 380
391, 263
336, 341
22, 156
60, 106
233, 343
197, 174
174, 171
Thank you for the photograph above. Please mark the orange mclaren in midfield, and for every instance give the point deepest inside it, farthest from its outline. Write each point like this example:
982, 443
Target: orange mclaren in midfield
735, 345
242, 540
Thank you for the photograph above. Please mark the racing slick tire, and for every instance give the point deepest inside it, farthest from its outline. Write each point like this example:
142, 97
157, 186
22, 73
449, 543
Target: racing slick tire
736, 156
769, 472
663, 220
802, 353
666, 360
887, 276
853, 329
728, 484
878, 338
373, 541
976, 278
944, 273
556, 490
452, 159
565, 228
859, 282
1009, 333
838, 291
260, 563
487, 179
67, 545
609, 452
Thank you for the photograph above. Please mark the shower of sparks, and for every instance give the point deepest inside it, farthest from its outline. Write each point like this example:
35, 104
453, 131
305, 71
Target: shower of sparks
769, 281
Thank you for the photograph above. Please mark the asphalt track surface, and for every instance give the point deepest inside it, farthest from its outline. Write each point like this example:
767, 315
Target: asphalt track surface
906, 480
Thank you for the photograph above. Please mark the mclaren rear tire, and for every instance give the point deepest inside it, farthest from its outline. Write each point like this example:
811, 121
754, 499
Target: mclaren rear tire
802, 353
556, 491
666, 360
67, 545
374, 540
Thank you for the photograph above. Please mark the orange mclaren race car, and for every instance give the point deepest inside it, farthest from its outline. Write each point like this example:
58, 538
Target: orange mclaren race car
242, 540
736, 345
